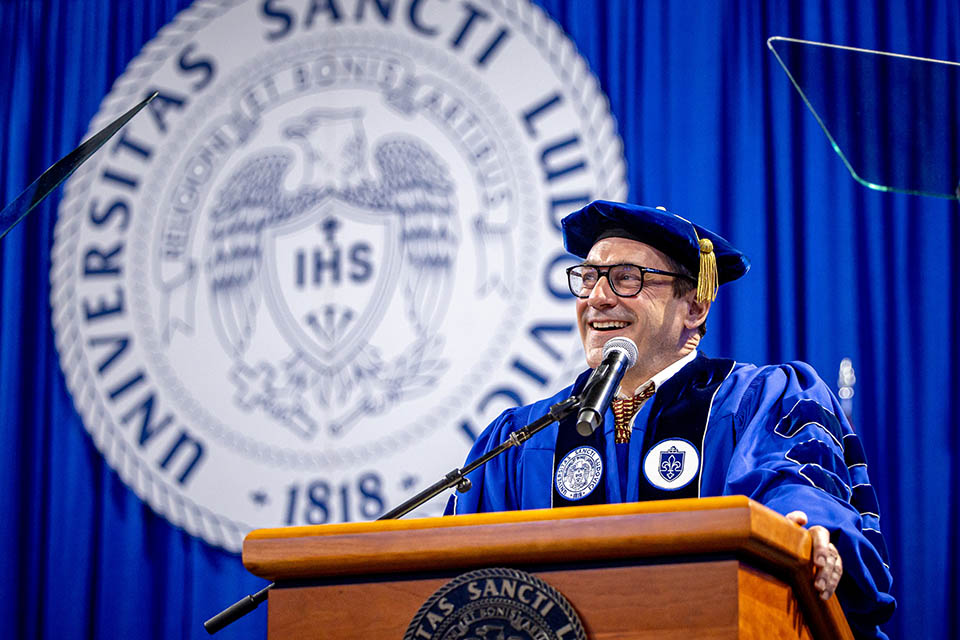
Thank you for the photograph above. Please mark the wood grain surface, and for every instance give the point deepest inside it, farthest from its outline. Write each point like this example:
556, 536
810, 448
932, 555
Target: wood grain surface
717, 567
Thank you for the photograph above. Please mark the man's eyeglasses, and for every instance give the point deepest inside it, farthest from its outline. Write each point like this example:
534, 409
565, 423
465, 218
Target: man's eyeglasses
626, 280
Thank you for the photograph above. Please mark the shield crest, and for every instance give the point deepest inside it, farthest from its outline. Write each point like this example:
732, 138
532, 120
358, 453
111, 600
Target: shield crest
671, 464
330, 277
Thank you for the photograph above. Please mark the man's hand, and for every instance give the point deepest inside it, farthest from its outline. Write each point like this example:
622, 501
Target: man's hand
825, 557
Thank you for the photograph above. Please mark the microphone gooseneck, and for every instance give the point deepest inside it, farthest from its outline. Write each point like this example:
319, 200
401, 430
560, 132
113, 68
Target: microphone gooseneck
619, 354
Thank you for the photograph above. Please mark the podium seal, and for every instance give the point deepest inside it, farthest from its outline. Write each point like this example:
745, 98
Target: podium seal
491, 604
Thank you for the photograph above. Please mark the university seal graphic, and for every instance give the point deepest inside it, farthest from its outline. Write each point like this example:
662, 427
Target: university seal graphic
496, 604
579, 473
295, 287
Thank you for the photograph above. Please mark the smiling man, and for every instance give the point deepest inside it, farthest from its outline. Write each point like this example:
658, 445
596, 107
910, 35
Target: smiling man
685, 425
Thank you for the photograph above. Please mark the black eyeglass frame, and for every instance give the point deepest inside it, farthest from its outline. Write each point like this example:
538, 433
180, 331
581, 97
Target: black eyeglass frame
603, 271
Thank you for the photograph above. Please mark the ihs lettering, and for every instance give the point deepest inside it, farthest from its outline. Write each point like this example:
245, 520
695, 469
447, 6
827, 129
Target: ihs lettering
331, 263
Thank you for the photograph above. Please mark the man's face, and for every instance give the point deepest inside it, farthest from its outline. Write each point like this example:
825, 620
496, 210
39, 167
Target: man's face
653, 319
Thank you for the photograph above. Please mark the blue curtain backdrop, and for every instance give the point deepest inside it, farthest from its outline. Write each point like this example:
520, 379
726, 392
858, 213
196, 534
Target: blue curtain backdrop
712, 128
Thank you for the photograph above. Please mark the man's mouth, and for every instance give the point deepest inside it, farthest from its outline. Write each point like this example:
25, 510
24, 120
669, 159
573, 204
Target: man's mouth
608, 325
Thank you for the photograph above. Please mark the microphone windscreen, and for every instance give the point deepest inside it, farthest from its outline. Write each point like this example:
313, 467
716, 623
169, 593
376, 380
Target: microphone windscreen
626, 345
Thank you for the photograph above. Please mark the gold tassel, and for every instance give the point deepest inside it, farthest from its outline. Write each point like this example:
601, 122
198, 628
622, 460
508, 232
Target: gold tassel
707, 279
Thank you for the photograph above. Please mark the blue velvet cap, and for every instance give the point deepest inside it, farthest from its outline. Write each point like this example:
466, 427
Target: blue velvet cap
677, 237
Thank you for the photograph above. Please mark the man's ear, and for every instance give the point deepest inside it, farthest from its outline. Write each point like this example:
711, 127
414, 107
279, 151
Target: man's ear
696, 312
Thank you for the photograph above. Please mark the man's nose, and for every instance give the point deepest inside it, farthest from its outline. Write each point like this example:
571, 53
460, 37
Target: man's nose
602, 295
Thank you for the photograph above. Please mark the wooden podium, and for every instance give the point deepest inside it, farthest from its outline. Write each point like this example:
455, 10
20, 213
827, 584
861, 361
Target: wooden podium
710, 568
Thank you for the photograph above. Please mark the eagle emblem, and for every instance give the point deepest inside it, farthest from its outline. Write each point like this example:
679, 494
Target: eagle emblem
322, 232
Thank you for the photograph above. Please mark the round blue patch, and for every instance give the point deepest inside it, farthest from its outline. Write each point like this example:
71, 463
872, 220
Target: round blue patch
671, 464
579, 473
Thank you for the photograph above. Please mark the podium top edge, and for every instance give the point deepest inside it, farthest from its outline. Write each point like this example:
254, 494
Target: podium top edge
505, 517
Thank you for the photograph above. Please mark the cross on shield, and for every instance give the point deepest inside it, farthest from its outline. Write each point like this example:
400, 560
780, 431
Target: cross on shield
330, 278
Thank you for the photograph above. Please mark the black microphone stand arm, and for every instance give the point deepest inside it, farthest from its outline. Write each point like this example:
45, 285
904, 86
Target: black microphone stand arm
456, 478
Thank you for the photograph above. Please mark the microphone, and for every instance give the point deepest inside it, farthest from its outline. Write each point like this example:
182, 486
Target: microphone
619, 354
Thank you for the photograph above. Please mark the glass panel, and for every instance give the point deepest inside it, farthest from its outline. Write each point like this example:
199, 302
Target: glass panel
892, 118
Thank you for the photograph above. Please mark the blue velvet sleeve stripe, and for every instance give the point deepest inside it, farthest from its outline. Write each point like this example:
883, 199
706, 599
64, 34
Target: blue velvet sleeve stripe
818, 452
810, 412
858, 475
876, 539
865, 499
826, 481
853, 452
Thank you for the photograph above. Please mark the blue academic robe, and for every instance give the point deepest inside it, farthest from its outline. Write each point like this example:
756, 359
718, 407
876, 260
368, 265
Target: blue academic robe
775, 434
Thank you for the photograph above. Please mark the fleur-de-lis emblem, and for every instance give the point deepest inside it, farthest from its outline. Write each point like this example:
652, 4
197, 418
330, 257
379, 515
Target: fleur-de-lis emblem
671, 464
